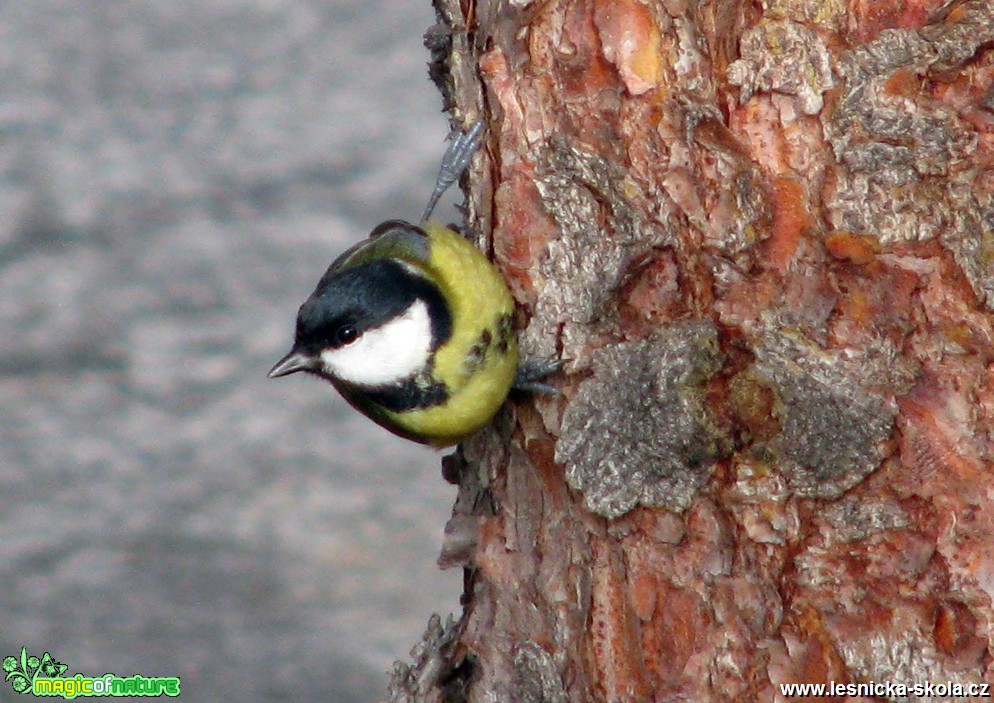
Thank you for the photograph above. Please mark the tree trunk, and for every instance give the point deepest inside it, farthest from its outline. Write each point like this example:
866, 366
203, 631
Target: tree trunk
761, 235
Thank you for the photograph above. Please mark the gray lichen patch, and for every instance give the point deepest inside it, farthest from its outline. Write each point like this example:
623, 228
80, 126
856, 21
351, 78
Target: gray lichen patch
971, 240
943, 45
852, 520
903, 651
906, 172
900, 166
602, 229
831, 425
638, 431
785, 57
601, 232
536, 678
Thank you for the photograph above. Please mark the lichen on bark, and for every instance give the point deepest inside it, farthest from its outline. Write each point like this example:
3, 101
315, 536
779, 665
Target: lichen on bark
661, 442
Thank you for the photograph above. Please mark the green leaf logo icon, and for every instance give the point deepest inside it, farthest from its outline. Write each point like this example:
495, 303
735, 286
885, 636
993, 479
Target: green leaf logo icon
21, 672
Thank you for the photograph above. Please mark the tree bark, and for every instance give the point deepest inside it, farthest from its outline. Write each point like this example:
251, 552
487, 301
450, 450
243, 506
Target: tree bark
761, 235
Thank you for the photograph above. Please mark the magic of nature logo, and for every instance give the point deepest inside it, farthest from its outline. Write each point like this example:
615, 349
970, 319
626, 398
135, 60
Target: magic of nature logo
46, 677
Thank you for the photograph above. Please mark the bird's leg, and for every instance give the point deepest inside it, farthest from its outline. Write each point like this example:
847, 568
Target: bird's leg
456, 159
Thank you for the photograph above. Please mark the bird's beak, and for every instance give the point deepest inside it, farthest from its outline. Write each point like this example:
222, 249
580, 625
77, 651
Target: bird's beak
291, 363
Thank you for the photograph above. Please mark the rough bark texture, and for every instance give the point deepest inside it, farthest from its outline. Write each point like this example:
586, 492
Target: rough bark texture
761, 233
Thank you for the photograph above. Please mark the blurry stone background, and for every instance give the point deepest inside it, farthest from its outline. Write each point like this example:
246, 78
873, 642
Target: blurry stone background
174, 178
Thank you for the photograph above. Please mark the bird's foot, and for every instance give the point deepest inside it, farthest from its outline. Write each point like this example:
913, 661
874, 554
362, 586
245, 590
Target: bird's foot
455, 161
532, 371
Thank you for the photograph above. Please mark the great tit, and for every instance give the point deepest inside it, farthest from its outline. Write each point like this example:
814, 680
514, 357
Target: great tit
413, 326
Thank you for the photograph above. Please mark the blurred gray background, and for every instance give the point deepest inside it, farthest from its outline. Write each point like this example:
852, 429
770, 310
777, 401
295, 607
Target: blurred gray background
174, 178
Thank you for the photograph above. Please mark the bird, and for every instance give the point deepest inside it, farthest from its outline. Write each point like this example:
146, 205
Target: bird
414, 326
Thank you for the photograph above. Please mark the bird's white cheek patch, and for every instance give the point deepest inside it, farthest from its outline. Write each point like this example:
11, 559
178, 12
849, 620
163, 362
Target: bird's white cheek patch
384, 355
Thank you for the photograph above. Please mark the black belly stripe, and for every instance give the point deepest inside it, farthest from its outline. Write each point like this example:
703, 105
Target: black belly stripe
410, 395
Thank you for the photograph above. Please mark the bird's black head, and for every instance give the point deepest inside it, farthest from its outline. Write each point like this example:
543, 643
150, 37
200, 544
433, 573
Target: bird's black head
373, 324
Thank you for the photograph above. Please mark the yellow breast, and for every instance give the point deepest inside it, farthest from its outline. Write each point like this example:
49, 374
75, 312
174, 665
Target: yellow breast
479, 361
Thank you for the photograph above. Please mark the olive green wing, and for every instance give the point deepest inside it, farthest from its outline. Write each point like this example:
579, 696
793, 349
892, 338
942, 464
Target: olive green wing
393, 239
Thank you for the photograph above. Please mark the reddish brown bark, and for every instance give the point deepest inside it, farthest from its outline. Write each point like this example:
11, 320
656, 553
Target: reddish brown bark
761, 233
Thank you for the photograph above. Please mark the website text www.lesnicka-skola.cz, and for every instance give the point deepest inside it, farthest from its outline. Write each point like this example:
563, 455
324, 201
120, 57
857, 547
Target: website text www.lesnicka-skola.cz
887, 689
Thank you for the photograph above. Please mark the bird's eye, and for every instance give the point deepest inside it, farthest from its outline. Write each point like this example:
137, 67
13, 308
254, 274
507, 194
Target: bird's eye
345, 335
